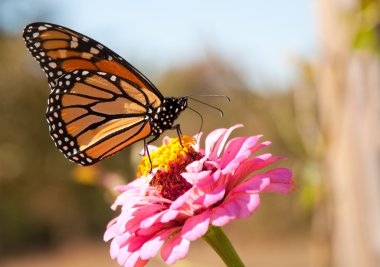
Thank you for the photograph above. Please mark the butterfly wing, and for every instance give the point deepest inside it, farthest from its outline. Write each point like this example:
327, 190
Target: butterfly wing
60, 50
93, 115
98, 102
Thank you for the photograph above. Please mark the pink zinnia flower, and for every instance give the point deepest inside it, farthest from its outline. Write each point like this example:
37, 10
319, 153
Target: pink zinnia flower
189, 190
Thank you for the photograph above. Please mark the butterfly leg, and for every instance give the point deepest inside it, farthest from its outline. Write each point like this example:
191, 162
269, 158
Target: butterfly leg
177, 127
147, 150
147, 153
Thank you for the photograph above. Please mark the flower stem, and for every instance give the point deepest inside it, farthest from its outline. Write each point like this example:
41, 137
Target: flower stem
216, 238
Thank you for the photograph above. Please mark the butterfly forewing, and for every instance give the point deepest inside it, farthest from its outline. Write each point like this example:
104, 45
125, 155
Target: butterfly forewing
60, 50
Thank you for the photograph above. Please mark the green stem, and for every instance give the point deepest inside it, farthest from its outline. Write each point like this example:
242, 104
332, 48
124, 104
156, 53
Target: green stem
216, 238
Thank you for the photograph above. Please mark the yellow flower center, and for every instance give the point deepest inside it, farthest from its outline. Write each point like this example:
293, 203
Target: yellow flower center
171, 160
165, 154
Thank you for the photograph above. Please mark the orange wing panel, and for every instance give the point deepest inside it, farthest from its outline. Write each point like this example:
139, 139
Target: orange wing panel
120, 106
74, 100
69, 114
74, 64
74, 128
115, 68
90, 137
117, 142
96, 80
55, 44
53, 34
84, 89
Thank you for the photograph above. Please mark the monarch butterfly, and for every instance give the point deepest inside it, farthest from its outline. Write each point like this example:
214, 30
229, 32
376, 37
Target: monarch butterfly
99, 103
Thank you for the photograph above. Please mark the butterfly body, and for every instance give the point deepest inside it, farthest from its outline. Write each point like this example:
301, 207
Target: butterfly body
99, 103
163, 117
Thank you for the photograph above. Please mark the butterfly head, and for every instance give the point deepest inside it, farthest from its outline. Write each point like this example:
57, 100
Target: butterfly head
165, 115
174, 106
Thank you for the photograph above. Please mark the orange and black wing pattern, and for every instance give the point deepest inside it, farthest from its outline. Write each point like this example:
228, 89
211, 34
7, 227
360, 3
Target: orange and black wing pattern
99, 103
93, 115
60, 50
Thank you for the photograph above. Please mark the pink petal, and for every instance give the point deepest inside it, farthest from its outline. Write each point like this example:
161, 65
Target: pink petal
166, 140
221, 142
194, 178
281, 180
198, 140
212, 196
117, 243
123, 255
259, 146
131, 195
211, 140
279, 188
135, 242
231, 167
152, 246
238, 206
253, 185
151, 220
280, 175
196, 226
135, 260
181, 200
169, 215
114, 249
232, 147
237, 148
211, 164
196, 166
254, 164
152, 230
247, 203
111, 231
220, 216
176, 248
206, 179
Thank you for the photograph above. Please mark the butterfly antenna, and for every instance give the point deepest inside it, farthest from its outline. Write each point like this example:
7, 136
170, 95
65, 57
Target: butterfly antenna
200, 116
224, 96
207, 104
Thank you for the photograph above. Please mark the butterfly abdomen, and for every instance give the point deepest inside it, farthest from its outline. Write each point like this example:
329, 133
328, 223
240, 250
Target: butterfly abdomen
164, 116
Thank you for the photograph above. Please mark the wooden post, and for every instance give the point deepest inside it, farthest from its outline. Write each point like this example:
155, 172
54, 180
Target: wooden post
349, 106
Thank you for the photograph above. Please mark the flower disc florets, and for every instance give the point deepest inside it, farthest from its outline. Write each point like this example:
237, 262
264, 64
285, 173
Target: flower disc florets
170, 160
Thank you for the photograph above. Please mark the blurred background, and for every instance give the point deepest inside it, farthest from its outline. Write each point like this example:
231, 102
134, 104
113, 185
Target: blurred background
305, 74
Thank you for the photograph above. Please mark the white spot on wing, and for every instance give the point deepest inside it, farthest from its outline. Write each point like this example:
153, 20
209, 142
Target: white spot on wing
94, 51
74, 44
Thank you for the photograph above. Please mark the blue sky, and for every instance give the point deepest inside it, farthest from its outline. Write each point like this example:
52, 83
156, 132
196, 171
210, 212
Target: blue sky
258, 37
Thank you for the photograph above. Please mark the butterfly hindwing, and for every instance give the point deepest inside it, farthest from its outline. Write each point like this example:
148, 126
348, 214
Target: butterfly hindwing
93, 115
